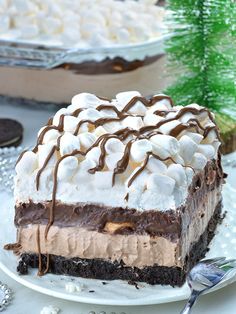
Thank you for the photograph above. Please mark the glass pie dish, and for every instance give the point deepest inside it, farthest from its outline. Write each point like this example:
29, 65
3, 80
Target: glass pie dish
39, 72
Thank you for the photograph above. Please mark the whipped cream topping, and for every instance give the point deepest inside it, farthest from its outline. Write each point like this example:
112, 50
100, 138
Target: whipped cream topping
81, 23
129, 152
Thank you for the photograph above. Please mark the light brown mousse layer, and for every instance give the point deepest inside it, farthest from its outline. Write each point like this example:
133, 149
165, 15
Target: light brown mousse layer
59, 84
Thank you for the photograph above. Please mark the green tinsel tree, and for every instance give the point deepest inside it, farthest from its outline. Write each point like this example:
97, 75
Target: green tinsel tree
202, 54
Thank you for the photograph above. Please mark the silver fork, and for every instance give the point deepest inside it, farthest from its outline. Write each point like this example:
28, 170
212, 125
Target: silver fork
205, 275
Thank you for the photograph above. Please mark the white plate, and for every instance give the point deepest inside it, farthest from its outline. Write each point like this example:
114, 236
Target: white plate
114, 292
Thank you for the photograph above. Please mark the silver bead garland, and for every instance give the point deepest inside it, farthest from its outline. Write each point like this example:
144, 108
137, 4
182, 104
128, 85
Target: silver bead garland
7, 296
8, 158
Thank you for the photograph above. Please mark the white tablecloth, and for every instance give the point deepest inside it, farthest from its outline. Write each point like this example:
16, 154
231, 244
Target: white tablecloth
27, 301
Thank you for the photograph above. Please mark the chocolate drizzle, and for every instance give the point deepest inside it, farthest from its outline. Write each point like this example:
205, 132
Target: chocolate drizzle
51, 213
128, 134
40, 271
149, 154
44, 166
15, 247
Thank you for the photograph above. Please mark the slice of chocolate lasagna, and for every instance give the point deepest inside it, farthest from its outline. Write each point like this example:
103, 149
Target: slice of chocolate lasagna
128, 188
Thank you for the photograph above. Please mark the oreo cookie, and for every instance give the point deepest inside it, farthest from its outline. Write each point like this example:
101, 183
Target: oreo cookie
11, 133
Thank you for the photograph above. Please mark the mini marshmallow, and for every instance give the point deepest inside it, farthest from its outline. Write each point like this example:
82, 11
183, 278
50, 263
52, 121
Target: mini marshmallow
52, 25
133, 122
67, 167
189, 174
197, 138
84, 100
211, 136
124, 97
170, 115
87, 139
70, 35
90, 114
27, 164
216, 144
23, 7
156, 166
51, 136
94, 154
187, 148
41, 130
112, 127
99, 131
186, 117
167, 127
165, 145
166, 102
178, 159
56, 118
207, 150
199, 161
177, 172
139, 150
86, 164
94, 16
141, 31
114, 145
87, 30
195, 106
98, 40
203, 117
108, 113
112, 160
162, 183
151, 119
122, 35
103, 179
139, 108
43, 152
69, 143
70, 124
159, 106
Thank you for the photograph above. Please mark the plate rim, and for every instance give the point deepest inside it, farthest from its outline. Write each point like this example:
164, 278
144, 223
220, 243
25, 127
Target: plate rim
87, 300
96, 301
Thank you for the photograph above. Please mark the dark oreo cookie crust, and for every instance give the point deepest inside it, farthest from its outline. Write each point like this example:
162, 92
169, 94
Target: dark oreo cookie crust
11, 132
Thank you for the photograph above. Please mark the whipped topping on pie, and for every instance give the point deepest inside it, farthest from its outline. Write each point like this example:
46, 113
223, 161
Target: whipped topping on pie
81, 23
129, 151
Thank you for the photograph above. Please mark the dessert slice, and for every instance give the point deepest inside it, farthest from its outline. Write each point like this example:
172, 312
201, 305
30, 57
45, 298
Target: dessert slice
128, 188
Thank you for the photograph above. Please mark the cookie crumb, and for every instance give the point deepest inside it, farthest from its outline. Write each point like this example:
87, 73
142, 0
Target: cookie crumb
72, 288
